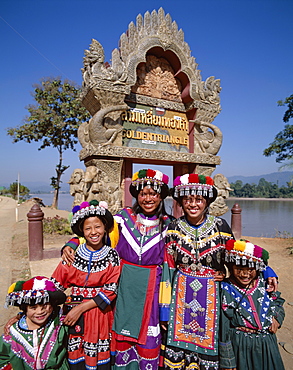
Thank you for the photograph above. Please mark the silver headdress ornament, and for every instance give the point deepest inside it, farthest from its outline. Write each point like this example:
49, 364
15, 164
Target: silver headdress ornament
194, 184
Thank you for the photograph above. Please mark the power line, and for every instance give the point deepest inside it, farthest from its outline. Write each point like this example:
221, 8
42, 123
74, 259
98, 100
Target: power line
34, 47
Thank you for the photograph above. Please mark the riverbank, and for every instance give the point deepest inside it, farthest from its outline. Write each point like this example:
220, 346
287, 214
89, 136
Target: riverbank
273, 199
15, 265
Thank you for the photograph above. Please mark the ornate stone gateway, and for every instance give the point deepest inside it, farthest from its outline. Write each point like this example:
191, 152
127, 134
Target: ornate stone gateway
149, 106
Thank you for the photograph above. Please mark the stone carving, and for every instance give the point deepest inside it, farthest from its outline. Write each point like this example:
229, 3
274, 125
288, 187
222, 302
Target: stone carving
77, 186
210, 90
219, 207
155, 78
100, 131
155, 102
154, 29
93, 186
153, 66
101, 181
206, 141
95, 67
149, 154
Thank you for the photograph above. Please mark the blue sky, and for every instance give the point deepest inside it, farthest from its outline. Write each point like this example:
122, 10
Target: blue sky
247, 44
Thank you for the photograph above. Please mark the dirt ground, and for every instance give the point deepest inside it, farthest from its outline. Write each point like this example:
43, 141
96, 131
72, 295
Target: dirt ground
15, 265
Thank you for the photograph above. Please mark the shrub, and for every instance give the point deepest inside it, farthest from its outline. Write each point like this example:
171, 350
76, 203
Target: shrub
56, 225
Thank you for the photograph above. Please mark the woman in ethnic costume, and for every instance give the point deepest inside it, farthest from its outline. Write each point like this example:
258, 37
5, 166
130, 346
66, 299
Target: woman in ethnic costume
38, 340
142, 229
93, 279
250, 315
193, 267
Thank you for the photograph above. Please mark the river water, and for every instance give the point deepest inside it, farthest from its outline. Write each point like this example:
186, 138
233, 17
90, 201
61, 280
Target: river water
260, 218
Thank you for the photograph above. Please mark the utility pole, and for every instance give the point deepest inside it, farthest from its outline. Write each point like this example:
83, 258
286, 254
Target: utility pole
16, 209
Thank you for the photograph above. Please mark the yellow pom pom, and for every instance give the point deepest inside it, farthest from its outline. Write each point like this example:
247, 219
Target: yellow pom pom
114, 235
135, 176
82, 240
11, 288
240, 245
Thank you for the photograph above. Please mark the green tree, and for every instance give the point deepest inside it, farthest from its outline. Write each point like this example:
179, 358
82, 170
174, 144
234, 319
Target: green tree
263, 188
53, 121
23, 191
236, 187
248, 190
282, 146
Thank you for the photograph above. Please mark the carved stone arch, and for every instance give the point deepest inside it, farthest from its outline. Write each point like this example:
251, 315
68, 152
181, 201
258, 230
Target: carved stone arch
153, 30
140, 110
183, 73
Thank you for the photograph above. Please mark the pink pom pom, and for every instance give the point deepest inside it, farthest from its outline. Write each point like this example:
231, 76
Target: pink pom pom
177, 181
103, 204
49, 285
84, 205
165, 179
257, 251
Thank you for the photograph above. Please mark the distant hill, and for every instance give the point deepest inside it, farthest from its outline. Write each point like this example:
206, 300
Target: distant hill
39, 187
279, 178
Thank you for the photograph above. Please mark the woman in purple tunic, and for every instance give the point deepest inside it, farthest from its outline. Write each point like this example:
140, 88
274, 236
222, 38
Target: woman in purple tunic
136, 335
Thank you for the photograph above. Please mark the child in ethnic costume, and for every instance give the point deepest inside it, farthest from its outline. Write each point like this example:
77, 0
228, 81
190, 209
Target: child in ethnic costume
250, 314
93, 278
39, 339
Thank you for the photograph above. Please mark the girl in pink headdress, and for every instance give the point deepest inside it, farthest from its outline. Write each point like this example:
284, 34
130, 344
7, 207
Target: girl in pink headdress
250, 315
38, 339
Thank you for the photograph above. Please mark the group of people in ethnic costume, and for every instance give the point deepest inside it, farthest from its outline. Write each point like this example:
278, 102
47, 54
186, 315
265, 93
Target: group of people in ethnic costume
194, 266
170, 271
141, 229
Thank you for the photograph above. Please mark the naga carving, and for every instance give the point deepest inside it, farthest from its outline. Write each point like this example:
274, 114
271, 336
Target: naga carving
100, 130
206, 141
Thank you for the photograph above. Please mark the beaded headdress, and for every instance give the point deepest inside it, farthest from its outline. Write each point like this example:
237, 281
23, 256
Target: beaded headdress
90, 209
243, 253
37, 290
151, 178
194, 184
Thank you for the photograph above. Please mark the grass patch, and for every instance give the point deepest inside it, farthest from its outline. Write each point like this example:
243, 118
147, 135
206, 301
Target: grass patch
56, 225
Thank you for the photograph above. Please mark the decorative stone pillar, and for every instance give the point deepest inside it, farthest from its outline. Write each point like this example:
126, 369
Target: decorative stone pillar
35, 233
236, 223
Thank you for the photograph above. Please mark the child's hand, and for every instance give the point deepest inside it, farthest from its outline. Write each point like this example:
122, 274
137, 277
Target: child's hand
75, 313
164, 325
10, 323
68, 255
272, 284
72, 316
274, 327
219, 276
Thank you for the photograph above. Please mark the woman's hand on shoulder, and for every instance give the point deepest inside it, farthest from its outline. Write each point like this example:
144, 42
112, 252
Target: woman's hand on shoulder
274, 327
68, 255
10, 322
219, 275
272, 284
